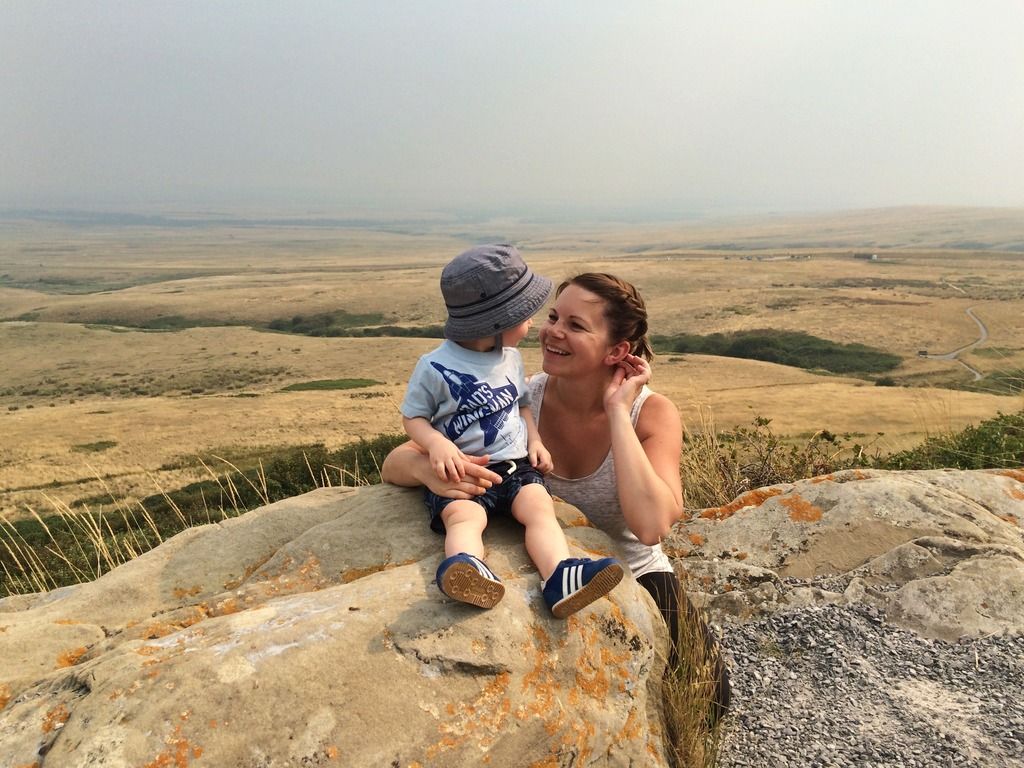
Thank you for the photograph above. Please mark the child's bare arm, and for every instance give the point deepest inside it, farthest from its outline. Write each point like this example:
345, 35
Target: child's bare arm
445, 458
540, 458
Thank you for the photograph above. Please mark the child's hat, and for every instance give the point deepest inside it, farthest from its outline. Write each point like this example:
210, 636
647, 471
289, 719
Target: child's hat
489, 289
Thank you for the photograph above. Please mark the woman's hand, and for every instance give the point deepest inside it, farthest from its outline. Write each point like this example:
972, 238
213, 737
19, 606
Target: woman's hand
476, 479
408, 465
628, 379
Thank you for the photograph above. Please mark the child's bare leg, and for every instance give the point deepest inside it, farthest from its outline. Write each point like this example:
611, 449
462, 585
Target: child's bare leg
545, 542
464, 523
467, 578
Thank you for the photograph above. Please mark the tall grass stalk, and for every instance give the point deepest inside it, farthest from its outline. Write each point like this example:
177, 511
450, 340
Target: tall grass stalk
693, 724
30, 575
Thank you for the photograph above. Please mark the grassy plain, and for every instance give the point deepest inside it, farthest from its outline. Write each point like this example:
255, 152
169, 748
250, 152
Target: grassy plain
92, 402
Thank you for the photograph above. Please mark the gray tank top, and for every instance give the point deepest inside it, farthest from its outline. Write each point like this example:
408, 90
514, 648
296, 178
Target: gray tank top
596, 495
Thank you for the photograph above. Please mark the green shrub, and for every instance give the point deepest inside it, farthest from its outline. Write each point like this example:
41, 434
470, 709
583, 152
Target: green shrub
997, 443
304, 386
793, 348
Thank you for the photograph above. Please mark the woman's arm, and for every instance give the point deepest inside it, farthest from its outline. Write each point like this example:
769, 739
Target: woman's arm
409, 466
647, 457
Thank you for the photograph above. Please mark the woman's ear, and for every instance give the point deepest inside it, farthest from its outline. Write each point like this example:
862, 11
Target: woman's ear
617, 353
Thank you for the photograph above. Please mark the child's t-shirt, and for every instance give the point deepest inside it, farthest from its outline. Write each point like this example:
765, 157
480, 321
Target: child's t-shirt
472, 398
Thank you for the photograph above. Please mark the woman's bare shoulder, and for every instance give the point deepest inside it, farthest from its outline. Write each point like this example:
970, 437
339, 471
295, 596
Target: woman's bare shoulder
658, 415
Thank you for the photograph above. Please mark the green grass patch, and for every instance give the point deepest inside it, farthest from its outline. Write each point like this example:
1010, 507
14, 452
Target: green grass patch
1009, 382
305, 386
995, 352
340, 323
101, 282
159, 323
794, 348
97, 447
325, 323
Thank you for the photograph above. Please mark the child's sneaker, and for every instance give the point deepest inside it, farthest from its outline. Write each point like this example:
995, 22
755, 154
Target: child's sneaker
577, 582
465, 578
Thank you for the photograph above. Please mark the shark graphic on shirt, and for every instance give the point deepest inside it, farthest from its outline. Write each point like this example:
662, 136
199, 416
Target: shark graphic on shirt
479, 403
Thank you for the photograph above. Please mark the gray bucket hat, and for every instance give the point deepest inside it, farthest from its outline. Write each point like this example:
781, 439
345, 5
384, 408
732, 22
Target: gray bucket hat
489, 289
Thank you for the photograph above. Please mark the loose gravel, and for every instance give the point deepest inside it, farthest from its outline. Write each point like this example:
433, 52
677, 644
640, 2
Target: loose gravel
838, 686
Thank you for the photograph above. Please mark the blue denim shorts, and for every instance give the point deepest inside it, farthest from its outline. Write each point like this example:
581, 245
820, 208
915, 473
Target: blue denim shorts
495, 500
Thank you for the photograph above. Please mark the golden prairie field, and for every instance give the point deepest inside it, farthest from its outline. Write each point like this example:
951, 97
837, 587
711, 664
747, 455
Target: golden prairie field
91, 404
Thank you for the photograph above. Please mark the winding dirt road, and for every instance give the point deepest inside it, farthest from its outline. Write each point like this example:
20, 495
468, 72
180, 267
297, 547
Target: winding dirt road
954, 355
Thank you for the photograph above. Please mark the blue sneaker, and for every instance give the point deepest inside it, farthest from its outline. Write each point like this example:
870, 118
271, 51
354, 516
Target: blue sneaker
577, 582
465, 578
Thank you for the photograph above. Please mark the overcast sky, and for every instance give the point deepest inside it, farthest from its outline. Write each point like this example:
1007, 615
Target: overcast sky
473, 105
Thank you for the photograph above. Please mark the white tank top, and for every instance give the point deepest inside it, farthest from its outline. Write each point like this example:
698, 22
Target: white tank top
597, 497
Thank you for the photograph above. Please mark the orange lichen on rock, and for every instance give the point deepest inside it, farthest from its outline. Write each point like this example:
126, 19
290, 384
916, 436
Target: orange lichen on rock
5, 694
1011, 519
225, 607
696, 539
178, 754
70, 657
180, 593
157, 629
634, 726
249, 571
354, 574
578, 520
801, 510
1016, 474
478, 719
673, 551
580, 734
749, 499
55, 718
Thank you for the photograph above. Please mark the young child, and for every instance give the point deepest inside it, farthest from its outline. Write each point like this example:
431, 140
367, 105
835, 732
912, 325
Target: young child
469, 397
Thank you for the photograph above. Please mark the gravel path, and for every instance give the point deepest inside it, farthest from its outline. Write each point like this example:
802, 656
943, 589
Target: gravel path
837, 686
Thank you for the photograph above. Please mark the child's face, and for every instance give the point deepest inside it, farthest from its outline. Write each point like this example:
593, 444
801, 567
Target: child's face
513, 336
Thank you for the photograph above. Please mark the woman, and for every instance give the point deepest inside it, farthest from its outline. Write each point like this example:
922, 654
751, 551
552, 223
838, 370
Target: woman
614, 443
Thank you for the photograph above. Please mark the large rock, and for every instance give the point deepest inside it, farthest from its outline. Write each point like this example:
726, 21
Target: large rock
309, 632
940, 552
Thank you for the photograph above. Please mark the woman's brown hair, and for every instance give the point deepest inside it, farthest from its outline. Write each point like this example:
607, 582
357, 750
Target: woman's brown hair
624, 309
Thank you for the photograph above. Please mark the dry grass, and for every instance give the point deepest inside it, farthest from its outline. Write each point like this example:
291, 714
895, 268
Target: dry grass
692, 717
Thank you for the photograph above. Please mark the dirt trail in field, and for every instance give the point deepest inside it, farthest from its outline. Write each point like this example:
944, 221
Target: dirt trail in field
955, 354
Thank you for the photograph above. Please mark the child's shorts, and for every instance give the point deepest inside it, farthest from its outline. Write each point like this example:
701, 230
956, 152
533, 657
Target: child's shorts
495, 500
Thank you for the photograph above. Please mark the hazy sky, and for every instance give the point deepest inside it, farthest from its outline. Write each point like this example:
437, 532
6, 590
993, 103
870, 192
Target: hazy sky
516, 106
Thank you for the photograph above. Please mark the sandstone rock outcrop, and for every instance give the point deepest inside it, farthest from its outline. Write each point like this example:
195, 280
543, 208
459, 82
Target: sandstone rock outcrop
940, 552
309, 632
